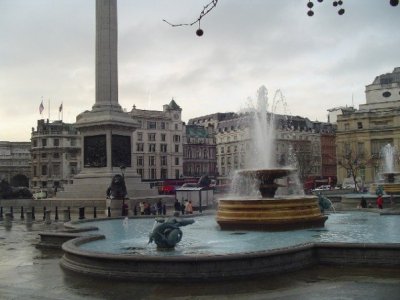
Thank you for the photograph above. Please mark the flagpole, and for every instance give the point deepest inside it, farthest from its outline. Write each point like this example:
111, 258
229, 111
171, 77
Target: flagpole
49, 109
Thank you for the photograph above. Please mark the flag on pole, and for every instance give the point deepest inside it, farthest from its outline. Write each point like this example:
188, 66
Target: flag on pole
41, 107
60, 108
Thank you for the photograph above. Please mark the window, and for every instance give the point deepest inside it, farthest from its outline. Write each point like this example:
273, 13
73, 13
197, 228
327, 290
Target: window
139, 147
176, 148
176, 126
73, 142
44, 142
176, 161
162, 125
44, 155
140, 172
163, 148
346, 126
140, 136
163, 160
56, 169
177, 138
177, 173
163, 174
151, 137
56, 155
152, 173
139, 161
360, 150
56, 142
34, 171
151, 125
152, 160
163, 137
34, 143
44, 170
152, 147
222, 150
205, 153
359, 125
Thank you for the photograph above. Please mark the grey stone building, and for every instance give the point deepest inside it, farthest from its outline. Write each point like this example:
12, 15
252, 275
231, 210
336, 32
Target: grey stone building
158, 142
199, 151
55, 155
15, 159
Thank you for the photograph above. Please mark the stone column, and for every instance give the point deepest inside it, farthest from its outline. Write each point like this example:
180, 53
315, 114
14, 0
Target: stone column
106, 55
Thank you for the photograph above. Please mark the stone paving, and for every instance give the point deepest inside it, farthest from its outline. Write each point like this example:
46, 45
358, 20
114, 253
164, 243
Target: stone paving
30, 273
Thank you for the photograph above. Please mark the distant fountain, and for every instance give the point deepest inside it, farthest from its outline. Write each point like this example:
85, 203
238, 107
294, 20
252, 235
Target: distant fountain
389, 160
255, 206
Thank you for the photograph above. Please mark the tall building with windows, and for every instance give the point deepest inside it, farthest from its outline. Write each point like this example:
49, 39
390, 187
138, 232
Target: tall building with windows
362, 133
55, 154
199, 150
158, 142
15, 159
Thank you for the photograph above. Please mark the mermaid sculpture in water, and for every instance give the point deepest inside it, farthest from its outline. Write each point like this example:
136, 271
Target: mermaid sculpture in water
167, 233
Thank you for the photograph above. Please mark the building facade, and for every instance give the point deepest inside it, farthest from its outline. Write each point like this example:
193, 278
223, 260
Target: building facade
55, 155
293, 135
15, 159
362, 134
199, 151
158, 142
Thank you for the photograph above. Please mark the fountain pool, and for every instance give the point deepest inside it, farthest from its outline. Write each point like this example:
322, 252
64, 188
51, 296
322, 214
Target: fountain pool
120, 249
205, 238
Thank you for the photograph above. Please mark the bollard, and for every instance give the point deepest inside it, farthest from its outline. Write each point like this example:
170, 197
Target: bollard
56, 217
33, 213
47, 214
22, 212
69, 213
12, 212
28, 218
81, 213
8, 220
44, 213
66, 215
94, 213
1, 213
109, 212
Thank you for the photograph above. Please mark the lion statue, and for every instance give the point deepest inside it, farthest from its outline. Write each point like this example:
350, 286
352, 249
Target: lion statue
117, 188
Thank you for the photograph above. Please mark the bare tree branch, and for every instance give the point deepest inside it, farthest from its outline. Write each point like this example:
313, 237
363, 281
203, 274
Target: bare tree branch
210, 6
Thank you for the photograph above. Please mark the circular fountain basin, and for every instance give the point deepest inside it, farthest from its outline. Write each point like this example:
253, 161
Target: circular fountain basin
120, 250
270, 214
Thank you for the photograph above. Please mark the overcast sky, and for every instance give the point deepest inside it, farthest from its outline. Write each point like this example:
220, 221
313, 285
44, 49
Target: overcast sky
47, 49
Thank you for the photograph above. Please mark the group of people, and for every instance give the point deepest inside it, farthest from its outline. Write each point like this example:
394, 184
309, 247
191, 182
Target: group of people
364, 204
185, 207
158, 208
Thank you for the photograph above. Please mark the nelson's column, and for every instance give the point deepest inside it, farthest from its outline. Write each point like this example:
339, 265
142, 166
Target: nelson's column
106, 130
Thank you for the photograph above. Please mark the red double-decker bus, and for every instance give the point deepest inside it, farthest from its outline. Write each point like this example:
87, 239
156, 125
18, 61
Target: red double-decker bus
169, 186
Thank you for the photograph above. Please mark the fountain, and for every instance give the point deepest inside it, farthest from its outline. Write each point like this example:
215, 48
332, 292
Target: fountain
254, 240
389, 182
265, 211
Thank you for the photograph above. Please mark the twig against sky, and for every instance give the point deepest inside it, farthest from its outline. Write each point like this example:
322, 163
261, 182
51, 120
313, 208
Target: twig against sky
209, 7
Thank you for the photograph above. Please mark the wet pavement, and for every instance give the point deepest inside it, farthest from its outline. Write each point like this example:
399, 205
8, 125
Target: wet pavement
30, 273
